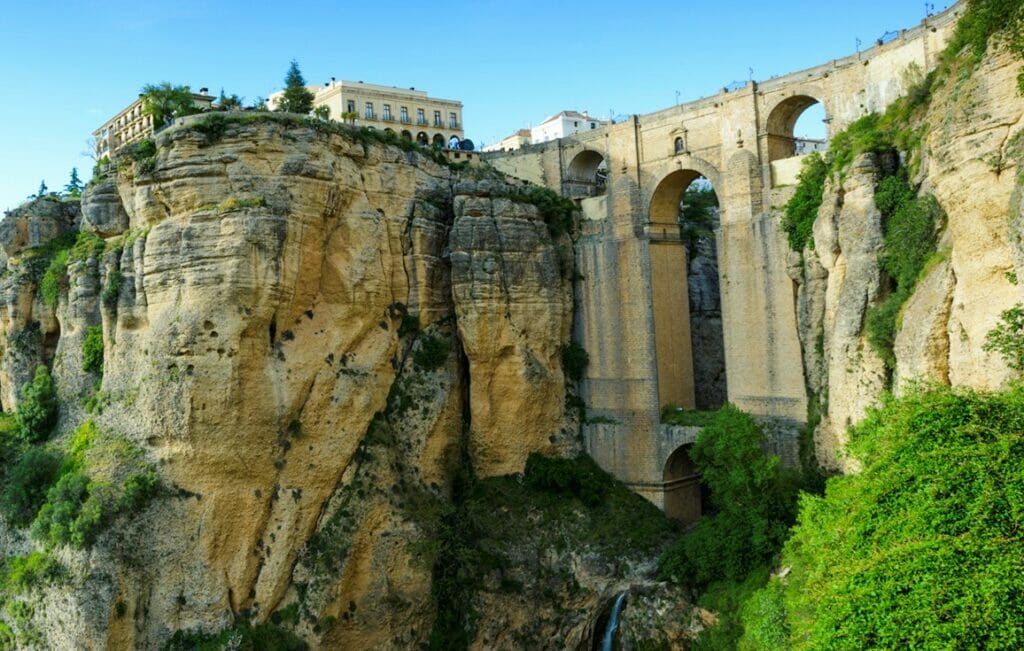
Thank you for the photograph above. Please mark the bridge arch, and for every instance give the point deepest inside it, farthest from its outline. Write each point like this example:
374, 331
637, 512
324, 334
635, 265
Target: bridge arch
587, 175
779, 128
684, 495
688, 334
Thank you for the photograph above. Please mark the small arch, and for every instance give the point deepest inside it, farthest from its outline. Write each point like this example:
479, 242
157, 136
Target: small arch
438, 141
784, 139
684, 494
587, 175
406, 134
454, 143
422, 138
679, 146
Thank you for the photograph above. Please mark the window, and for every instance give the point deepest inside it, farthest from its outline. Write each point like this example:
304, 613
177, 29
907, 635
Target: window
679, 146
421, 116
437, 118
369, 110
350, 106
575, 124
387, 111
593, 126
453, 120
404, 114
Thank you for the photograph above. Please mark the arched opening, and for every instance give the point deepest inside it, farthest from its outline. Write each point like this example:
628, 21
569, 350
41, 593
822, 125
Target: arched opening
689, 342
438, 141
454, 143
679, 146
684, 494
406, 134
422, 138
786, 139
588, 175
389, 131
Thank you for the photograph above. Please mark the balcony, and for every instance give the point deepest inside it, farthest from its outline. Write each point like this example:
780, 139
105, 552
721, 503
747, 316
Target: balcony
454, 125
421, 122
370, 115
405, 120
388, 117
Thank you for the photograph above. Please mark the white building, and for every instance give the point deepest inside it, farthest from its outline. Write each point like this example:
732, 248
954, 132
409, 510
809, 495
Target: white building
564, 124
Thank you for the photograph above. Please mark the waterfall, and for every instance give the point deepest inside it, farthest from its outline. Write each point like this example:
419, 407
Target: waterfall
613, 623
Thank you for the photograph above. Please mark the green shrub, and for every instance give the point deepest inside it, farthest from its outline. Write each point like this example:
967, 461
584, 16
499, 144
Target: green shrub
37, 409
922, 548
1007, 338
24, 573
726, 598
802, 209
92, 350
243, 636
112, 290
580, 478
431, 353
26, 485
139, 489
763, 617
756, 499
672, 414
574, 361
58, 519
54, 278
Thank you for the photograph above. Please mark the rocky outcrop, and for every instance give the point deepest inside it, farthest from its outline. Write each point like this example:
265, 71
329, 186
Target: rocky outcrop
971, 158
707, 341
309, 335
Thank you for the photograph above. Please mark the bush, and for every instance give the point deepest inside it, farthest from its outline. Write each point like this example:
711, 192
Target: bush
54, 278
756, 499
574, 361
675, 415
802, 209
243, 636
24, 573
922, 548
58, 519
92, 350
26, 485
112, 290
37, 409
580, 478
431, 354
139, 489
1007, 338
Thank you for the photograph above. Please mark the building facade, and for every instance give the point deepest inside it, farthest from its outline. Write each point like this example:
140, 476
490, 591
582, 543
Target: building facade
515, 141
131, 125
408, 112
565, 124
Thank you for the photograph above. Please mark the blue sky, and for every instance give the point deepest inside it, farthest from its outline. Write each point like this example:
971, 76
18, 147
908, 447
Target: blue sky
69, 65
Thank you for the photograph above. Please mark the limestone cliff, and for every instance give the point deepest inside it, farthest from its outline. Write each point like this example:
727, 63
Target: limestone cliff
970, 160
311, 334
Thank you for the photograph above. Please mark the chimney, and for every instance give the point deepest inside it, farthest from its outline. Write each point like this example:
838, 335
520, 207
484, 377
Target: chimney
203, 91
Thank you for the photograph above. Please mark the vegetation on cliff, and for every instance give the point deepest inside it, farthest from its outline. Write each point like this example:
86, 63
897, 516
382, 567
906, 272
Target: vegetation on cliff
922, 548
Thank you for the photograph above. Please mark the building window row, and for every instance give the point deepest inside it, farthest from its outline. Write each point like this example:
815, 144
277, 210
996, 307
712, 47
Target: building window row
403, 114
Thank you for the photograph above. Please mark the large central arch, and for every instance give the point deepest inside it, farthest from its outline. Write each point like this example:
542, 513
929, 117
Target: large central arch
782, 141
687, 319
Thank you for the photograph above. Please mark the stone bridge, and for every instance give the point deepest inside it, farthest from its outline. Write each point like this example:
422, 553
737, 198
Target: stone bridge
633, 297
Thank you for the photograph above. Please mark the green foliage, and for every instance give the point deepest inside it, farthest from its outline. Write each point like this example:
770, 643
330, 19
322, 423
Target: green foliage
243, 636
322, 112
557, 211
431, 353
26, 485
1007, 338
37, 409
24, 573
862, 136
983, 20
574, 361
112, 290
697, 218
212, 127
801, 210
910, 225
74, 185
763, 617
55, 279
922, 548
580, 478
164, 102
92, 350
296, 98
672, 414
756, 499
726, 598
139, 489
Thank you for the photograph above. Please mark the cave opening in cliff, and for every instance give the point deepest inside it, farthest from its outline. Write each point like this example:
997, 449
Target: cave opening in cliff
684, 218
797, 126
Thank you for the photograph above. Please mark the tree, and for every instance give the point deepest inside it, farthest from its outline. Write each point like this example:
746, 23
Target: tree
296, 97
323, 112
42, 190
258, 104
164, 102
37, 410
229, 103
75, 185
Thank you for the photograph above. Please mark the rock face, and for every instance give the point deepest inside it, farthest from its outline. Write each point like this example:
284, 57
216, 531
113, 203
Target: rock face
310, 336
706, 336
971, 161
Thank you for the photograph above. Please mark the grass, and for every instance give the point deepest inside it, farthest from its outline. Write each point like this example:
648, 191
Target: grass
680, 417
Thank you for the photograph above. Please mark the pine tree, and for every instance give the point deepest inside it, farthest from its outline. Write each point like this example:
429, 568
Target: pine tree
42, 190
75, 185
296, 97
